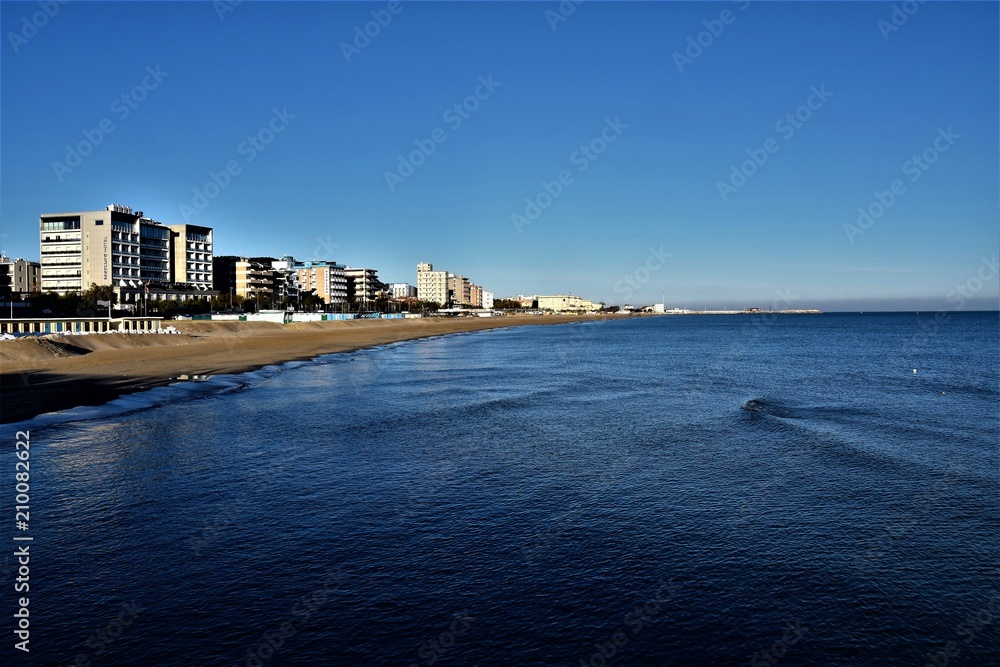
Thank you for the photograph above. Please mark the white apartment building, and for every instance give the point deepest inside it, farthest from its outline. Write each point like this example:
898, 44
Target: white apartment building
361, 284
402, 291
287, 278
123, 249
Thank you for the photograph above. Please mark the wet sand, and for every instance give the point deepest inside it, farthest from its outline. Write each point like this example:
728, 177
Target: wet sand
60, 372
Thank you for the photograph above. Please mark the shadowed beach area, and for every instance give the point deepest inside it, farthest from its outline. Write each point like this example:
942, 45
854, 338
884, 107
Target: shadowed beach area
61, 372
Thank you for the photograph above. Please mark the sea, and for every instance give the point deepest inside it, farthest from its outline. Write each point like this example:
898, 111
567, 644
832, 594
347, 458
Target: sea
679, 490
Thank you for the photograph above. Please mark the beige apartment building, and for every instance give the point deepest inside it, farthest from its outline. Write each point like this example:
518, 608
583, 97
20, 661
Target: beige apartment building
562, 303
191, 249
446, 288
327, 278
254, 279
432, 285
460, 289
19, 276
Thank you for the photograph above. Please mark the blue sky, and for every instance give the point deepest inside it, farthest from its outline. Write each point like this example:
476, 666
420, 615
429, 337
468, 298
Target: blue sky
329, 128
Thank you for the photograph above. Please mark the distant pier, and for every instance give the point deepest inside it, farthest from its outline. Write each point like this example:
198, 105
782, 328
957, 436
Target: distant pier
745, 311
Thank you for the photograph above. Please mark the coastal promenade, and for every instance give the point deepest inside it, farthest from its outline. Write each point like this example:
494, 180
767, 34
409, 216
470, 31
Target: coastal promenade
39, 375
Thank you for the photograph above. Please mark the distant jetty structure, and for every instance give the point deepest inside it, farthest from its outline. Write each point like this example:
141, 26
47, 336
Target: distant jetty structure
745, 311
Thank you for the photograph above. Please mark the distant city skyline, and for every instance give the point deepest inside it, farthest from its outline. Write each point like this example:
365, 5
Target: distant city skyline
841, 156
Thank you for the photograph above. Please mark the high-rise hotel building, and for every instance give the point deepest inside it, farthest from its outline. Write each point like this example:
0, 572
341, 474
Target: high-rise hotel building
126, 250
192, 255
432, 285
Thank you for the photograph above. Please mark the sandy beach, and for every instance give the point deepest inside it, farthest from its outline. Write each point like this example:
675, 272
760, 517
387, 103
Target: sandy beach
60, 372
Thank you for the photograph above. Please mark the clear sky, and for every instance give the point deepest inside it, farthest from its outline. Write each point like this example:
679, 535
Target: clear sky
311, 119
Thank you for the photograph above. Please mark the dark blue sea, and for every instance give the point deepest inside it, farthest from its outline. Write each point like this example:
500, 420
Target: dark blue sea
692, 490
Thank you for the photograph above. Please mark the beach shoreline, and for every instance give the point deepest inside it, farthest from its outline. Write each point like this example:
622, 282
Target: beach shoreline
41, 375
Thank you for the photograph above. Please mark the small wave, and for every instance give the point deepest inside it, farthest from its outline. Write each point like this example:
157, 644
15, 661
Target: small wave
763, 406
978, 390
771, 407
134, 402
186, 389
878, 436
